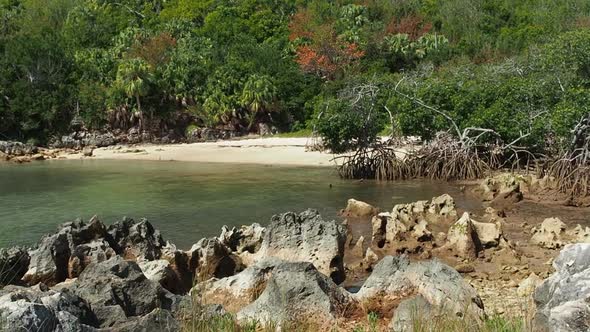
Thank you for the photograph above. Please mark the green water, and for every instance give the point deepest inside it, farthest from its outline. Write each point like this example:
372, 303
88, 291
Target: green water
186, 201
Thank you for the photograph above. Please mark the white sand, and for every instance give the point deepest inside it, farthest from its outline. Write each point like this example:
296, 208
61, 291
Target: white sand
269, 151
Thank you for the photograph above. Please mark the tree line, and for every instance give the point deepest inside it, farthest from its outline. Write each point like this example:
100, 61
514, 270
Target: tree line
117, 64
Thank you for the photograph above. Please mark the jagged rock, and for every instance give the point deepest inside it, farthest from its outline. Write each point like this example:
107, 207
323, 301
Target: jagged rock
421, 232
465, 268
14, 263
78, 244
370, 258
86, 254
17, 148
304, 237
462, 238
236, 292
549, 234
49, 261
563, 299
87, 152
387, 229
359, 209
395, 278
119, 283
156, 321
408, 224
501, 188
579, 234
183, 276
161, 272
408, 312
358, 249
36, 309
443, 205
489, 234
528, 285
210, 258
298, 292
246, 238
137, 240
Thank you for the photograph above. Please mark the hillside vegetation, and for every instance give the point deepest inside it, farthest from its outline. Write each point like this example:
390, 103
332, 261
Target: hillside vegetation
514, 66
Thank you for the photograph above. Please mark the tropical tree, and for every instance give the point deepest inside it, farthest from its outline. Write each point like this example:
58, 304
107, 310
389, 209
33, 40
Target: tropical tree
258, 94
133, 77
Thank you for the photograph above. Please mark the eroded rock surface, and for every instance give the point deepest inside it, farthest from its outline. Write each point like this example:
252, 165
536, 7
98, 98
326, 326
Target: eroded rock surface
304, 237
395, 278
296, 291
563, 300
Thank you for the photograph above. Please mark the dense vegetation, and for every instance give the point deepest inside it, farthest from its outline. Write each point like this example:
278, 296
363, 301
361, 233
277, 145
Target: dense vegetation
514, 66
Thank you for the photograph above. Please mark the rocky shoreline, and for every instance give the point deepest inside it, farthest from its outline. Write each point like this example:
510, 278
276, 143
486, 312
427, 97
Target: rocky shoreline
423, 258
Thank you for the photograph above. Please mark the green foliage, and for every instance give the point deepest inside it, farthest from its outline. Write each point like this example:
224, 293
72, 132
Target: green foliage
353, 119
490, 63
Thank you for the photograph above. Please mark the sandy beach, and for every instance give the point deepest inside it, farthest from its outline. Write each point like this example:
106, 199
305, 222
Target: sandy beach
268, 151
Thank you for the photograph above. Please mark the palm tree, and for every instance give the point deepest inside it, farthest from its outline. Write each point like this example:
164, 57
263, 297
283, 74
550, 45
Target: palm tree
133, 77
258, 93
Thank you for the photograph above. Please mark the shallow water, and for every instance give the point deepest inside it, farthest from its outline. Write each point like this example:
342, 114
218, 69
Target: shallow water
186, 201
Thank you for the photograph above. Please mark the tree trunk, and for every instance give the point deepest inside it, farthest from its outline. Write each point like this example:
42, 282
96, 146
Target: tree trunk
140, 112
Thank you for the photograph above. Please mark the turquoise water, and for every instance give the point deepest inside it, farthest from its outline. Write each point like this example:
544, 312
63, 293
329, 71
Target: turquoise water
186, 201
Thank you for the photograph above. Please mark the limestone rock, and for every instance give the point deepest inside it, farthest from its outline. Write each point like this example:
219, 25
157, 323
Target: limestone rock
579, 234
237, 291
161, 272
550, 234
370, 258
155, 321
462, 238
408, 312
86, 254
563, 299
388, 230
358, 249
246, 238
14, 263
304, 237
210, 258
501, 188
137, 240
443, 205
395, 278
117, 286
298, 292
87, 152
359, 209
36, 309
489, 234
528, 285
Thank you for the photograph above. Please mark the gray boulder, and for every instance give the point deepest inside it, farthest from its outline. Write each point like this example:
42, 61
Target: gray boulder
14, 263
236, 292
209, 258
117, 289
11, 148
395, 278
304, 237
408, 311
563, 300
245, 238
49, 261
40, 309
137, 240
298, 292
159, 320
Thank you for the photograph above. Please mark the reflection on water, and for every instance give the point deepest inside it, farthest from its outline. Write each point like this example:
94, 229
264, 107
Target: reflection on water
186, 201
